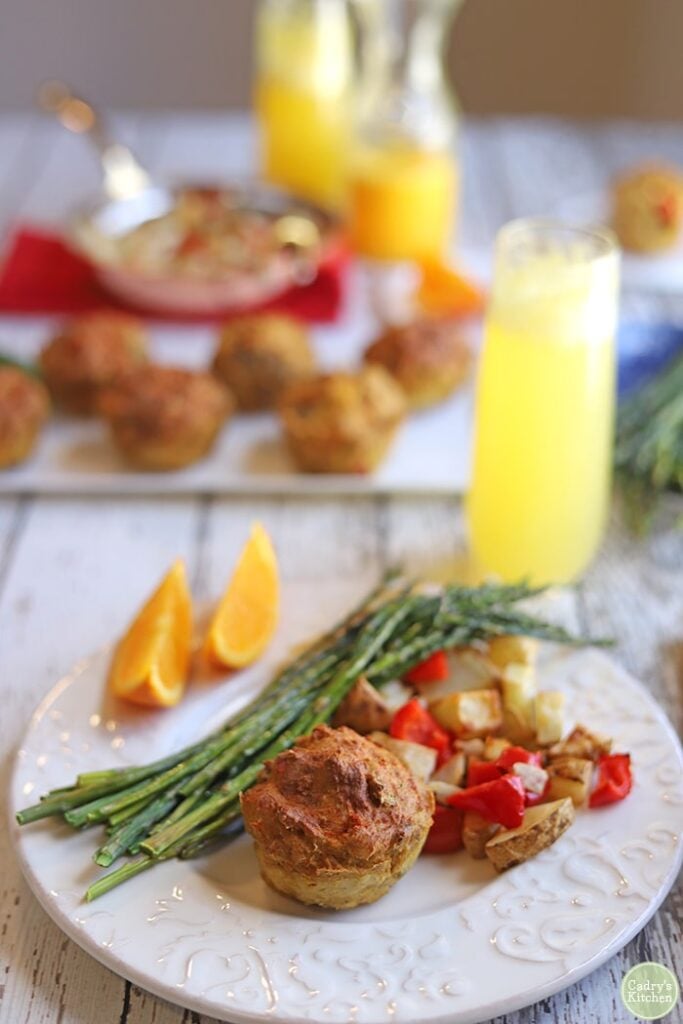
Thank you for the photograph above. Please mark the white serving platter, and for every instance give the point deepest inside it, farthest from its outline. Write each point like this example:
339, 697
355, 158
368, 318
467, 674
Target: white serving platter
75, 456
452, 942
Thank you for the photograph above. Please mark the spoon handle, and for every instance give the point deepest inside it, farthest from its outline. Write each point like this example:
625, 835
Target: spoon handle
123, 175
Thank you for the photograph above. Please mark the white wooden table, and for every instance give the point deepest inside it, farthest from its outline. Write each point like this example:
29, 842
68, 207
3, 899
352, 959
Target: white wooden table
72, 570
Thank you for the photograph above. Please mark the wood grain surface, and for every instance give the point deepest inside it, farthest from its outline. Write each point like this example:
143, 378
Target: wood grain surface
71, 571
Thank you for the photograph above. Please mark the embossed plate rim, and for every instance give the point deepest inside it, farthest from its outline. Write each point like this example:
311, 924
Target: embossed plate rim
530, 980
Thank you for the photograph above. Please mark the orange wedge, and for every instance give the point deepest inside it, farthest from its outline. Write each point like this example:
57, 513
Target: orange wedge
247, 614
150, 664
444, 292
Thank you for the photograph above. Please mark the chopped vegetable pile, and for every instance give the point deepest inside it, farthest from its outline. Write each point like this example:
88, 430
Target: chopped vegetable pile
506, 781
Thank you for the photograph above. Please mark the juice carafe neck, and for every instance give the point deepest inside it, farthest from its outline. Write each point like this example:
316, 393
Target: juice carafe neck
404, 95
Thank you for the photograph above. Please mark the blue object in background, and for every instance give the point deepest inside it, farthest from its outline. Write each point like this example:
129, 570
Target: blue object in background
643, 348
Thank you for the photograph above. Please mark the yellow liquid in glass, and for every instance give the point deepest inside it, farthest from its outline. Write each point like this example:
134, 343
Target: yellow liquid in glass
402, 202
304, 141
302, 97
543, 438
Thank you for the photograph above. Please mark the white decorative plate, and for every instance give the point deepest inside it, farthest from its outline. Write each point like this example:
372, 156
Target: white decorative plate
452, 942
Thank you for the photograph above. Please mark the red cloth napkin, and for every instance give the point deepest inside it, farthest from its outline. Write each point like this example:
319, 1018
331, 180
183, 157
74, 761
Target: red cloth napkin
42, 275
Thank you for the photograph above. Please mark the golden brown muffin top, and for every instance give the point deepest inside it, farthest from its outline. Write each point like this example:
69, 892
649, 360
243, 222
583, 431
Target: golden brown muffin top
427, 342
652, 177
96, 347
272, 333
160, 400
257, 356
23, 400
335, 799
343, 405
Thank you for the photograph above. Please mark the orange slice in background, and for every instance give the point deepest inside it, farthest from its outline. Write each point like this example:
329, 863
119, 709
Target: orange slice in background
443, 291
151, 662
245, 619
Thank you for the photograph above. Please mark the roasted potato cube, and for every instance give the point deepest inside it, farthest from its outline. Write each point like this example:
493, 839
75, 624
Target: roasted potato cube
472, 748
581, 742
442, 790
395, 694
570, 767
469, 669
533, 776
494, 747
472, 713
453, 771
519, 690
476, 832
570, 777
549, 710
363, 709
542, 825
512, 650
420, 760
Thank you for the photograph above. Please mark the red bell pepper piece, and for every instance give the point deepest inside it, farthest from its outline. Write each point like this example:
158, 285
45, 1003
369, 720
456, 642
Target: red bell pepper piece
445, 835
667, 210
193, 242
481, 771
614, 780
433, 669
501, 801
514, 755
414, 723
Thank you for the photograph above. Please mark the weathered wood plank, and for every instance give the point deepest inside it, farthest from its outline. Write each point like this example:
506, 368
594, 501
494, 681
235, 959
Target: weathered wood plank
199, 146
634, 592
483, 207
57, 171
147, 1009
24, 147
544, 161
314, 539
12, 517
77, 571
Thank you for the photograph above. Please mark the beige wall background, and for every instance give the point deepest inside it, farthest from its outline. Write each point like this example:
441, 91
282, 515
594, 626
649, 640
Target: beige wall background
584, 58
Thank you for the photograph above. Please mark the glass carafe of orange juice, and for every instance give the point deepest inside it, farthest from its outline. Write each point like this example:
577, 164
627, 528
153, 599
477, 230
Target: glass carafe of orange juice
304, 70
545, 403
403, 171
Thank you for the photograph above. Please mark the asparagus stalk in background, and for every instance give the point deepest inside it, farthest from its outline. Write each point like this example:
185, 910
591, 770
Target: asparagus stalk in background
649, 445
32, 369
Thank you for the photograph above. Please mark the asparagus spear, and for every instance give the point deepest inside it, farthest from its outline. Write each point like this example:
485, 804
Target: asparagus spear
648, 454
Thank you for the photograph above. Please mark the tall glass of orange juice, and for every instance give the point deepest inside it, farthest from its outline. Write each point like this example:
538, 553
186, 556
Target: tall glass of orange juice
304, 70
545, 403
